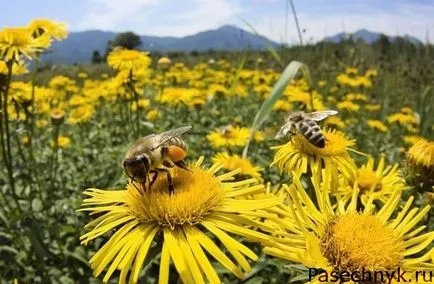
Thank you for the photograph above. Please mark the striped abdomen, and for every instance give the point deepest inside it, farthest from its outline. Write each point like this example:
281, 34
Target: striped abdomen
312, 132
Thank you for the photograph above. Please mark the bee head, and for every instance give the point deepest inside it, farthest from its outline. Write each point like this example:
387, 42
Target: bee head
137, 168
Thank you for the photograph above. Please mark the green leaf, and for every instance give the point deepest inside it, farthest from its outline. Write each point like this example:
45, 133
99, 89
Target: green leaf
270, 48
276, 93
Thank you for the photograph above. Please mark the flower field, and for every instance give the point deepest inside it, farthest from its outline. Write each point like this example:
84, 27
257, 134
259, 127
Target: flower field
246, 208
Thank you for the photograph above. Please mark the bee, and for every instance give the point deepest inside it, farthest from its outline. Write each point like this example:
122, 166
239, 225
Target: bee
149, 154
305, 124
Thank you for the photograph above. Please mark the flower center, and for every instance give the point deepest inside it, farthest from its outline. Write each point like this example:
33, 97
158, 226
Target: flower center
368, 180
354, 242
196, 194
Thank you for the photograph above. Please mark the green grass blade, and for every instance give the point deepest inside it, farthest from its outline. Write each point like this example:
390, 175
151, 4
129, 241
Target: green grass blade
270, 47
276, 93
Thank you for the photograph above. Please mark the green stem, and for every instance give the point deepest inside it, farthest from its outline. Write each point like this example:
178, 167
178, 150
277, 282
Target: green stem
6, 132
55, 156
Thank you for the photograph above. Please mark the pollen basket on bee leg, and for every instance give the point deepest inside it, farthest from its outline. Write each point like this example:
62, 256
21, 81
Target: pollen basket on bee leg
176, 153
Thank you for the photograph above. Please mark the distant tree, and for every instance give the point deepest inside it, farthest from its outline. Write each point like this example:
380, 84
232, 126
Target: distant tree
108, 49
96, 57
128, 40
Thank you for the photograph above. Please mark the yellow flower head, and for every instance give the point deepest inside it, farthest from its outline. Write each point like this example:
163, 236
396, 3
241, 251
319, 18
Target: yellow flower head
420, 159
403, 119
128, 60
348, 105
372, 107
234, 162
336, 236
57, 116
18, 42
334, 122
62, 142
283, 105
142, 103
17, 69
203, 203
378, 184
231, 136
352, 71
412, 139
153, 115
42, 27
377, 125
299, 155
164, 62
81, 114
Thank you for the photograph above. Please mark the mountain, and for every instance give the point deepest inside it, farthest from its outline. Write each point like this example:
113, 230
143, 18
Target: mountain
367, 36
79, 46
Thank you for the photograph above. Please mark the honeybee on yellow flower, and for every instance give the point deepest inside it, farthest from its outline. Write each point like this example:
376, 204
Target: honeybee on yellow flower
150, 154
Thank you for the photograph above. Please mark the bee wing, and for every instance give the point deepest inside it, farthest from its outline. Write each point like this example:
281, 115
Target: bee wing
284, 130
320, 115
161, 138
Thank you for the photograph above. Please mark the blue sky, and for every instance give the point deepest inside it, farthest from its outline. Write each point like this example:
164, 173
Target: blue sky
185, 17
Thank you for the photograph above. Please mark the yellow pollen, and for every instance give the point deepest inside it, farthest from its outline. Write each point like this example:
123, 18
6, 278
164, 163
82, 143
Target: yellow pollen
196, 194
354, 242
367, 180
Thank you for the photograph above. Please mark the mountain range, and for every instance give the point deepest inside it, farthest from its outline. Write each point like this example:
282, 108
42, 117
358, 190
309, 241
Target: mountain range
79, 46
367, 36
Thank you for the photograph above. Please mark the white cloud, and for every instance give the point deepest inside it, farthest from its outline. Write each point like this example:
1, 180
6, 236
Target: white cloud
199, 16
412, 19
109, 14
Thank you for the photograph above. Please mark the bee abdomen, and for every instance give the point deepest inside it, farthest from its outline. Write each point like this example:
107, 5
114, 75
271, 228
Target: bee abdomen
312, 132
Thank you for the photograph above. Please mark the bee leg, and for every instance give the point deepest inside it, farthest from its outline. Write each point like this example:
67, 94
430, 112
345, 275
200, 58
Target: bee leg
154, 178
169, 180
181, 164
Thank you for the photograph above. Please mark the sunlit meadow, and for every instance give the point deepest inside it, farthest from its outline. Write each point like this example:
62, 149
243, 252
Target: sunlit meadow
250, 208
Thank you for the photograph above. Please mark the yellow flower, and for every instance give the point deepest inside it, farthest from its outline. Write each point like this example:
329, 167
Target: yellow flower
334, 122
377, 125
81, 114
41, 123
187, 96
356, 97
404, 119
126, 60
371, 73
299, 155
62, 142
282, 105
372, 107
378, 184
142, 103
231, 136
17, 69
322, 83
57, 116
420, 159
203, 204
82, 75
352, 71
348, 105
234, 162
25, 140
42, 27
164, 62
412, 139
60, 82
18, 42
334, 236
153, 115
